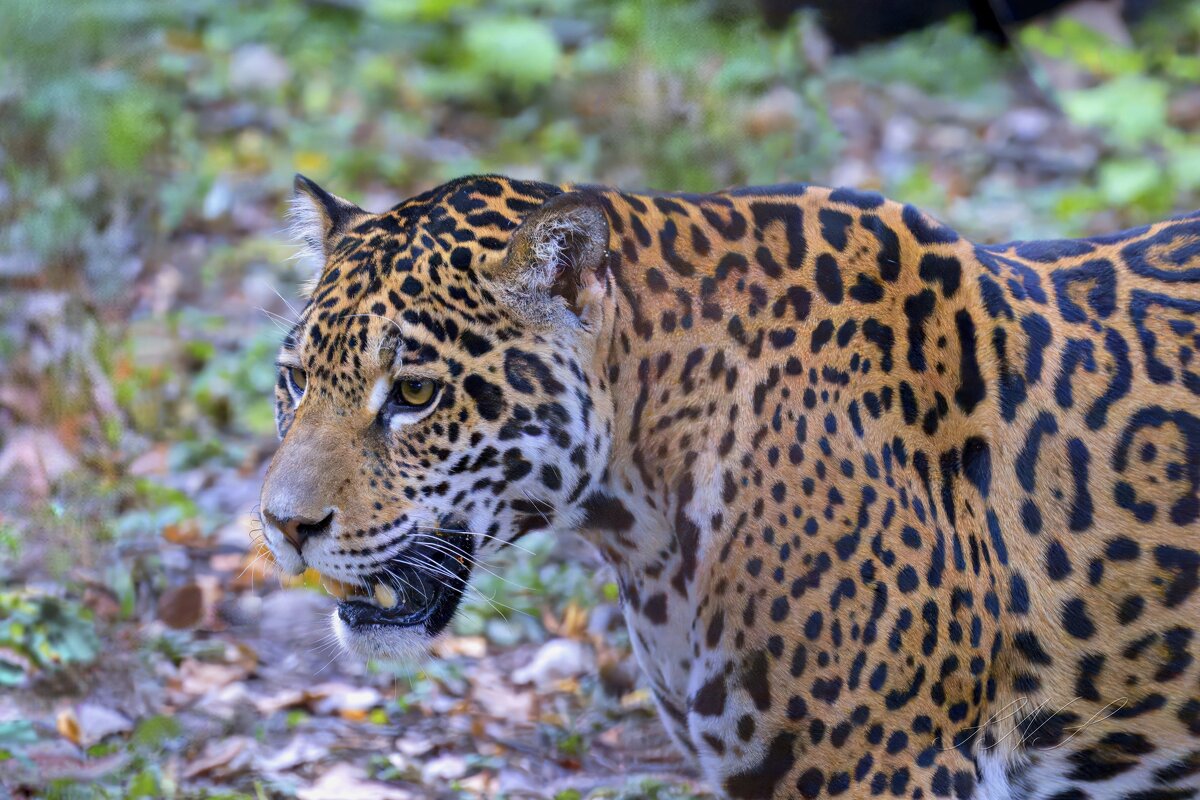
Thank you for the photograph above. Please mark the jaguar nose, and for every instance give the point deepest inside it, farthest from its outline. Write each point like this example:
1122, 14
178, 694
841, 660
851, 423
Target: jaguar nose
298, 530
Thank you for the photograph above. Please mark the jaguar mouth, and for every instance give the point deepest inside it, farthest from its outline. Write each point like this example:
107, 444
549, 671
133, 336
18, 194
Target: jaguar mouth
419, 587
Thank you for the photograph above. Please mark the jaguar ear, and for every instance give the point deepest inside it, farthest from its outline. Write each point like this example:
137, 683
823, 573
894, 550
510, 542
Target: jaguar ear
559, 251
318, 219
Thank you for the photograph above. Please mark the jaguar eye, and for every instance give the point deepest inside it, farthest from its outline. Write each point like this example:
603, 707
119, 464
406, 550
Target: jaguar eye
298, 381
413, 393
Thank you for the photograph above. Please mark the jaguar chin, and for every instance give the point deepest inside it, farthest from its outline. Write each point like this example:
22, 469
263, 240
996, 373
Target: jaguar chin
406, 607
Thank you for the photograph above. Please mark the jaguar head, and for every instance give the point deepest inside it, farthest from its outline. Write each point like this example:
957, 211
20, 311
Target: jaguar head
439, 396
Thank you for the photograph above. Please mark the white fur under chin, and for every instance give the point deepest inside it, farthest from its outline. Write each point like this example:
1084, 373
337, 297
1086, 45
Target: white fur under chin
386, 643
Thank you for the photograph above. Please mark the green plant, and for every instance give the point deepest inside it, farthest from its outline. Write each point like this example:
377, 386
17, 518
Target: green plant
41, 633
1150, 165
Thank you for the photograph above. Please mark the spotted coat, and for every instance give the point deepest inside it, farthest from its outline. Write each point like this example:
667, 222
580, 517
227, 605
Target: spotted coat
893, 514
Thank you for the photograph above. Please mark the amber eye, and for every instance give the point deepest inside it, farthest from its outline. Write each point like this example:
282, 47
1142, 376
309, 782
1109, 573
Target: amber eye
297, 381
413, 393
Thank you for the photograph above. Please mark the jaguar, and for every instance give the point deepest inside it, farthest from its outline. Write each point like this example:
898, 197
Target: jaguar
891, 513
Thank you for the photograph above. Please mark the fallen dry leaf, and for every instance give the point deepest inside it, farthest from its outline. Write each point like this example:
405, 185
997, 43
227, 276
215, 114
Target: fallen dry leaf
443, 769
575, 622
225, 756
57, 759
68, 726
414, 747
348, 782
95, 722
102, 601
555, 660
23, 401
288, 698
182, 607
499, 701
300, 750
151, 462
342, 698
198, 677
482, 784
38, 456
186, 533
638, 698
227, 562
469, 646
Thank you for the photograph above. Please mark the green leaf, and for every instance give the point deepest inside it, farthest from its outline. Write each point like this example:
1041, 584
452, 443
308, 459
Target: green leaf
1073, 41
1123, 182
144, 784
153, 732
132, 128
1130, 109
521, 52
1185, 166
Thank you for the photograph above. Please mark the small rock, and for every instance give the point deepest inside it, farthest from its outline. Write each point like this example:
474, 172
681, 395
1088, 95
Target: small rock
900, 134
1027, 124
296, 616
502, 633
557, 659
851, 172
414, 746
340, 698
238, 534
443, 769
218, 199
1184, 111
300, 750
469, 646
777, 111
948, 138
618, 676
605, 617
256, 66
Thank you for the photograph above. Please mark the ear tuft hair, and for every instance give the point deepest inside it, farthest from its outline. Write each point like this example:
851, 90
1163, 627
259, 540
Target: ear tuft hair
305, 227
553, 251
558, 247
317, 220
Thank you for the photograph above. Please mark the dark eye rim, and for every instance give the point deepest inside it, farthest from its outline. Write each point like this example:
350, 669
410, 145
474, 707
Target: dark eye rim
396, 402
297, 391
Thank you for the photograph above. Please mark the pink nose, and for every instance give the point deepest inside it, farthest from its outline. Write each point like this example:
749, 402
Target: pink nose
298, 530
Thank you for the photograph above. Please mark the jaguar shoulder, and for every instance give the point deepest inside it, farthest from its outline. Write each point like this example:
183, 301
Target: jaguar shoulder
892, 513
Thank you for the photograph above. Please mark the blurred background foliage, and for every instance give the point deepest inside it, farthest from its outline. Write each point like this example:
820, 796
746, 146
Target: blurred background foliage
146, 153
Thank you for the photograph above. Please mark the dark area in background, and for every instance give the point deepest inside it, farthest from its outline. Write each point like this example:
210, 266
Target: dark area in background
853, 23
